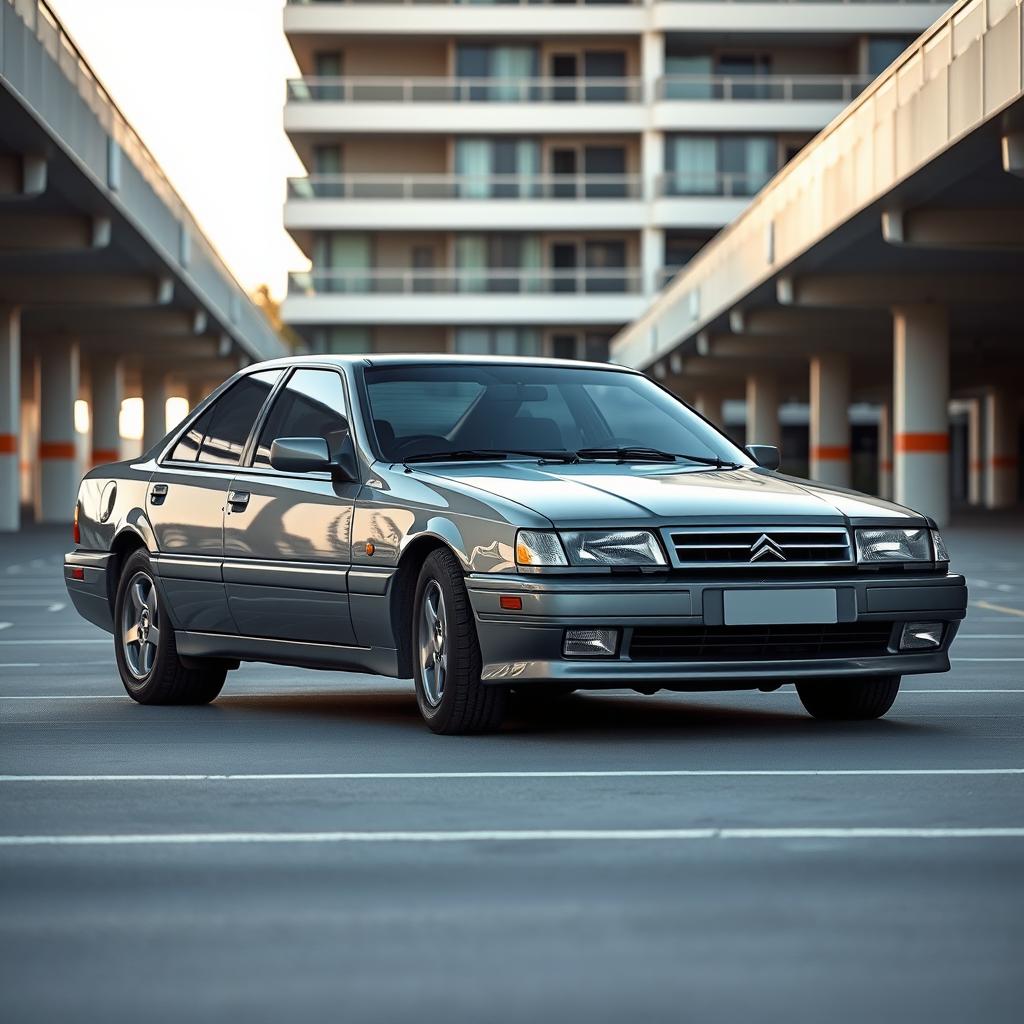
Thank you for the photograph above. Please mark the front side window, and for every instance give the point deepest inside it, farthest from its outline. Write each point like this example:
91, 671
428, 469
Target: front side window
311, 404
218, 436
549, 408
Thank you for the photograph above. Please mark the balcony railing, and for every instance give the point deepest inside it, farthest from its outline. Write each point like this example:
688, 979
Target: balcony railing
466, 186
944, 3
475, 281
712, 183
475, 3
385, 89
788, 88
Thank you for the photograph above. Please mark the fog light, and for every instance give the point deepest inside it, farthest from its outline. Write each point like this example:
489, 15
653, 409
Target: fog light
919, 636
590, 643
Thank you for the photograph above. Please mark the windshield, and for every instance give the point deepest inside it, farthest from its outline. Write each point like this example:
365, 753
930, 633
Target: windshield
421, 410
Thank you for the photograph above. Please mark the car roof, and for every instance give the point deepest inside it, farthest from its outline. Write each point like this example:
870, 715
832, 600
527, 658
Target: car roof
415, 359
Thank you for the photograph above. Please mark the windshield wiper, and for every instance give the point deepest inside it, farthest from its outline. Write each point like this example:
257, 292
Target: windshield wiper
490, 453
641, 454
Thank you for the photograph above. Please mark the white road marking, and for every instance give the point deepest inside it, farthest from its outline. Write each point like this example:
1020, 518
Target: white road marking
6, 625
509, 835
50, 642
986, 659
20, 664
990, 636
50, 606
611, 773
1001, 608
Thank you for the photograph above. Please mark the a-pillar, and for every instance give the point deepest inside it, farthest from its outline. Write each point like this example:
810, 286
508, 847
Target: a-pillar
154, 408
885, 450
107, 395
10, 417
1002, 461
763, 425
57, 453
920, 409
830, 419
975, 451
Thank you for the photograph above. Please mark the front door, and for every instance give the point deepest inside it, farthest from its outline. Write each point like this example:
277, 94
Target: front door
185, 504
287, 536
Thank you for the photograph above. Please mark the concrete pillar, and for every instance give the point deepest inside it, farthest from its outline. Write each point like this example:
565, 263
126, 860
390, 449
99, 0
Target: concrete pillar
885, 450
652, 259
105, 404
197, 391
975, 451
920, 409
830, 419
154, 408
763, 426
652, 162
1002, 460
10, 417
709, 404
58, 464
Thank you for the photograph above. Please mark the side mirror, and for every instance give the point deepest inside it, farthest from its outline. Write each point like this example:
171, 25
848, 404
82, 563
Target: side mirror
767, 456
300, 454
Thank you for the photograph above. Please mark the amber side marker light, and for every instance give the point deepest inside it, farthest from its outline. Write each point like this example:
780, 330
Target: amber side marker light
511, 603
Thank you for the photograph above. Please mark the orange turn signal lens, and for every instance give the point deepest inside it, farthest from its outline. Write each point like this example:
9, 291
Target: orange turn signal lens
511, 603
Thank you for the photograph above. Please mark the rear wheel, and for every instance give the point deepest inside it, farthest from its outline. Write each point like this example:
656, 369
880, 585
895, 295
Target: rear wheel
848, 700
147, 656
446, 654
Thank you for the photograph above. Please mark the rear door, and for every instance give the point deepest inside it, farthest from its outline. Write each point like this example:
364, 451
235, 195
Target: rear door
186, 500
287, 536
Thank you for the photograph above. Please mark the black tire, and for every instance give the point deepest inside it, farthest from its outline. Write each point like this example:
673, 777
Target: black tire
848, 699
152, 673
462, 705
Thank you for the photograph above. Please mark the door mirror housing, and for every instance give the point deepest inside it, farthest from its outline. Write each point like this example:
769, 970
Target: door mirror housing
300, 454
767, 456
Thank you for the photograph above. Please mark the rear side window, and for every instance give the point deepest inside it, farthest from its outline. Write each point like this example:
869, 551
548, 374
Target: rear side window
311, 404
220, 433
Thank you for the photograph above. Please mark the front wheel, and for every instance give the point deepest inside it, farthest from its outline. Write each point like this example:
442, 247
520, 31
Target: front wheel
446, 654
147, 656
848, 699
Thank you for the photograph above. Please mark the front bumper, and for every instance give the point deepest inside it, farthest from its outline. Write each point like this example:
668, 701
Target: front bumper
90, 594
526, 646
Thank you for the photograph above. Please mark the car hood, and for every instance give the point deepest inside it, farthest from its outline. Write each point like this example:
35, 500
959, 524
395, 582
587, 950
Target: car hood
592, 493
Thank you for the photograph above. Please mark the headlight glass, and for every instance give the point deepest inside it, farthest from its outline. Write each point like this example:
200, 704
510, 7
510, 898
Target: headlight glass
941, 554
612, 547
891, 544
539, 547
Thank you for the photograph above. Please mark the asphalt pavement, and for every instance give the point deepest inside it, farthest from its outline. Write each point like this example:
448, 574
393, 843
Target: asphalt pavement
304, 849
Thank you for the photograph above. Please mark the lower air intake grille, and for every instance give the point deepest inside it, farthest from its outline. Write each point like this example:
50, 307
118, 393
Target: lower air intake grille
758, 643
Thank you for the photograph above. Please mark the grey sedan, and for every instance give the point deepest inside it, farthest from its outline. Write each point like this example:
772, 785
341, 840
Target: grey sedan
487, 525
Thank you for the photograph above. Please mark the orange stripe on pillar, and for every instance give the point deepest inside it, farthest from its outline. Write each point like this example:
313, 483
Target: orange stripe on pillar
57, 450
885, 464
8, 444
827, 452
919, 443
1003, 461
102, 455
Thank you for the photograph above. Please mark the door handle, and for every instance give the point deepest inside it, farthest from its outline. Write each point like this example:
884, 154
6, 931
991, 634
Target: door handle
157, 493
237, 500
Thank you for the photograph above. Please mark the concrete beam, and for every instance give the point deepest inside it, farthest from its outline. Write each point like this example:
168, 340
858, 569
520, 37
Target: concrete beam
955, 229
173, 323
789, 349
86, 290
812, 322
1013, 153
22, 177
842, 291
46, 232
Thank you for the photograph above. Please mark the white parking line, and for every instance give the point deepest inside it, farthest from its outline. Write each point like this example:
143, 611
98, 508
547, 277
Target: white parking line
653, 773
511, 835
49, 642
987, 659
6, 625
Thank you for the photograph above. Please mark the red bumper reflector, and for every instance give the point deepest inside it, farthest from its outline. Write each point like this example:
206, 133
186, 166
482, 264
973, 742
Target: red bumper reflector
77, 573
511, 603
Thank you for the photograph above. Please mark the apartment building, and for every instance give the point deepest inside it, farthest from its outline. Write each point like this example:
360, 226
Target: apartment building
522, 177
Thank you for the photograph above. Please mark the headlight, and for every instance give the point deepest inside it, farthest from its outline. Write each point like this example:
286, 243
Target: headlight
890, 544
612, 547
539, 547
588, 548
941, 554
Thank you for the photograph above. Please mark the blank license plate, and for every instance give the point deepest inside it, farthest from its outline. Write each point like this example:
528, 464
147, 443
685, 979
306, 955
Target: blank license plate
779, 607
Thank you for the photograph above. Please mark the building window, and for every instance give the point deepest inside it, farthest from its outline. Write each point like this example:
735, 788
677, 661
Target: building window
497, 168
498, 341
724, 165
883, 50
340, 340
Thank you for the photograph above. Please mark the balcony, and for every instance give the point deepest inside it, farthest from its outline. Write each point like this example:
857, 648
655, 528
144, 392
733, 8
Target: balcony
381, 103
810, 17
464, 202
703, 200
584, 295
466, 17
764, 102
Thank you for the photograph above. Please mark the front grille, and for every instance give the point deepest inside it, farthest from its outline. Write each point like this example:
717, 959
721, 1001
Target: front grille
759, 643
771, 547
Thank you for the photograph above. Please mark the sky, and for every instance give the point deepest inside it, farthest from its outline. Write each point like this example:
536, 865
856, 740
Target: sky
202, 82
